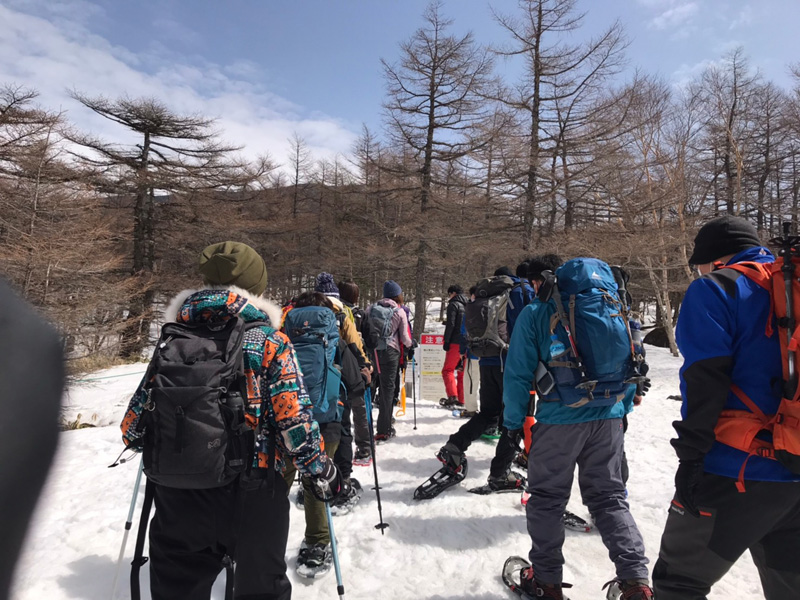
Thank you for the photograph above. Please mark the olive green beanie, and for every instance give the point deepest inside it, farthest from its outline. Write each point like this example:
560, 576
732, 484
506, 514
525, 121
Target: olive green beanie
234, 263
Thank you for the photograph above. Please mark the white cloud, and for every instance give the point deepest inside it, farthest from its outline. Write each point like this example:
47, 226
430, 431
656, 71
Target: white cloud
744, 18
675, 16
53, 54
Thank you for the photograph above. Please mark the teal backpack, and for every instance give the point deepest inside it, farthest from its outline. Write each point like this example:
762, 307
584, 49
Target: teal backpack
592, 359
314, 333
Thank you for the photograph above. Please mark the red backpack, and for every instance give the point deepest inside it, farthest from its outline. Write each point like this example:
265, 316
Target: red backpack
739, 428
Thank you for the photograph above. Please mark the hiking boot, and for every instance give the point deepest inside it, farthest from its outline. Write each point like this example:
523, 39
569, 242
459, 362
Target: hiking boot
628, 589
450, 456
362, 455
536, 589
382, 437
507, 481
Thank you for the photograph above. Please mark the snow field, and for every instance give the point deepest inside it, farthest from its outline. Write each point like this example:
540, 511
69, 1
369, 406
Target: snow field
448, 548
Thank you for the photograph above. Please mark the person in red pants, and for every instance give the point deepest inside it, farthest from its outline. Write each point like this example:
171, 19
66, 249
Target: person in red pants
453, 338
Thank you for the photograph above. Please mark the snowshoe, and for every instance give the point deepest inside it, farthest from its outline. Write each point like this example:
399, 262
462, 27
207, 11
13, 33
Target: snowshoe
299, 499
343, 506
510, 482
362, 458
466, 414
314, 561
629, 589
449, 402
444, 478
491, 434
518, 577
575, 523
571, 521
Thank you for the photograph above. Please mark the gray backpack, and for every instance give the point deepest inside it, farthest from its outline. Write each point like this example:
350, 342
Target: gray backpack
485, 317
379, 326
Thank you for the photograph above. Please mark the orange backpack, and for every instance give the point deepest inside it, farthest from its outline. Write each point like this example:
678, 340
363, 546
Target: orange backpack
740, 428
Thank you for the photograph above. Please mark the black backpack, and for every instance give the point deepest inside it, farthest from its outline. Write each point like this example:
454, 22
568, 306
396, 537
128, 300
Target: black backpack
195, 434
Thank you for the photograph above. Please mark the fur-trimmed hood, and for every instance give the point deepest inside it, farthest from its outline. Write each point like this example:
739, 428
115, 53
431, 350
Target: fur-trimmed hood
219, 303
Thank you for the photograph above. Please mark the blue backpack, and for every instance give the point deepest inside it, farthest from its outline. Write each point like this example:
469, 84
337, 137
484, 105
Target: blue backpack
314, 333
592, 360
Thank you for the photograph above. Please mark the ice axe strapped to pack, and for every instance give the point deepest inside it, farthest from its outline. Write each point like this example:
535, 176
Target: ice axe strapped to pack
745, 429
592, 357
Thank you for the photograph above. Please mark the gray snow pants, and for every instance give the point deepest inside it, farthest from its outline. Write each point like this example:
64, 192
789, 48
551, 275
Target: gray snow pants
596, 448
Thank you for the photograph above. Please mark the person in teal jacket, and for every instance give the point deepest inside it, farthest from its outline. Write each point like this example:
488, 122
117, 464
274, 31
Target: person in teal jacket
563, 437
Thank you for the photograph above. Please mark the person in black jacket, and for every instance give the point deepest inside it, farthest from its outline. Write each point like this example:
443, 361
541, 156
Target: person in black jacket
453, 338
31, 382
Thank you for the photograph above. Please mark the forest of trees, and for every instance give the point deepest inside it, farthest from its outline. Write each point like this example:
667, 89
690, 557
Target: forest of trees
577, 156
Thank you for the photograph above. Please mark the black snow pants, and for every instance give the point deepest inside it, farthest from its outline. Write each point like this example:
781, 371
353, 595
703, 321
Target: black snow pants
697, 551
193, 529
490, 410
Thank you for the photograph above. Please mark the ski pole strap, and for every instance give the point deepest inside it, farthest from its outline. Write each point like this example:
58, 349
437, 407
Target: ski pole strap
138, 558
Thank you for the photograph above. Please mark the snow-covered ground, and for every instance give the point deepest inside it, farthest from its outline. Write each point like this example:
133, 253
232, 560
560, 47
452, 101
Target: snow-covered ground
448, 548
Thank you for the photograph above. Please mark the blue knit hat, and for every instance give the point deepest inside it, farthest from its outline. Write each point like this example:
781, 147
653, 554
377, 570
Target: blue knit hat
325, 285
391, 289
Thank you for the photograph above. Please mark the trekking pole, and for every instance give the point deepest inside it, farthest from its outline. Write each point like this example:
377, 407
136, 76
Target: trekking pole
128, 525
377, 488
335, 551
414, 388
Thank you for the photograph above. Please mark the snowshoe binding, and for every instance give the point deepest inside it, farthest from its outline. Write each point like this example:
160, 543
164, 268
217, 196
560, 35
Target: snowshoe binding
362, 458
314, 561
518, 577
629, 589
509, 482
345, 505
452, 473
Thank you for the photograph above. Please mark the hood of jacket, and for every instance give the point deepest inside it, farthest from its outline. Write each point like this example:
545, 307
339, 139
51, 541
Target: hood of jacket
459, 298
388, 302
216, 304
338, 305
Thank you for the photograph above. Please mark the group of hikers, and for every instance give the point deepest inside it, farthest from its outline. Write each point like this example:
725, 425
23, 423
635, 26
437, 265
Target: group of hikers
241, 396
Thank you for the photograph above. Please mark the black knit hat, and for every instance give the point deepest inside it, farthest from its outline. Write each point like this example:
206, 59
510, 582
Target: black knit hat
723, 236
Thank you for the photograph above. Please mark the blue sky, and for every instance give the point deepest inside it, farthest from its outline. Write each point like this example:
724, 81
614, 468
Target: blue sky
268, 68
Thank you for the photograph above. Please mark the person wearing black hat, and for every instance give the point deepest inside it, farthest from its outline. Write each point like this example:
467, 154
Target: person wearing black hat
727, 501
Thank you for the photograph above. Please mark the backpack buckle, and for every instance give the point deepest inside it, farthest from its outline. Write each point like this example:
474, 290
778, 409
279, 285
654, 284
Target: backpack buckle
149, 405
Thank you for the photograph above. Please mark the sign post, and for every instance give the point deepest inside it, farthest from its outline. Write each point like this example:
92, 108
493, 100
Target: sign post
431, 362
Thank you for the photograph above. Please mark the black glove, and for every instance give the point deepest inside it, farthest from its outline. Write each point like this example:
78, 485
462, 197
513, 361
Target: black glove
687, 480
409, 354
515, 435
643, 386
446, 346
328, 485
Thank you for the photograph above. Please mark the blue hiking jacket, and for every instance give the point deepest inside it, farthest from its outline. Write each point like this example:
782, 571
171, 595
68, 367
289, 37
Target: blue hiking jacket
530, 342
720, 333
521, 294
